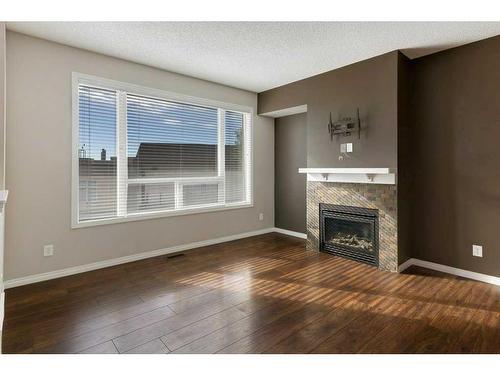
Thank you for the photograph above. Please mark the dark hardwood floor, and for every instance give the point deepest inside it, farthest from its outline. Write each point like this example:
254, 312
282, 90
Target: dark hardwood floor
264, 294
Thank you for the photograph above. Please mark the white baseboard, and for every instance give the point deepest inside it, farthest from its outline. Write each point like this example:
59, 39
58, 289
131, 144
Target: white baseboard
174, 249
130, 258
405, 265
2, 300
290, 233
451, 270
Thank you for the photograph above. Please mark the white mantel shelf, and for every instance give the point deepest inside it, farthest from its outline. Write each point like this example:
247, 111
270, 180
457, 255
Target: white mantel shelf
384, 176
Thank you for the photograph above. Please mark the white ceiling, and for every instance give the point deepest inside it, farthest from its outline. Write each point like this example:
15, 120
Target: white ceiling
257, 56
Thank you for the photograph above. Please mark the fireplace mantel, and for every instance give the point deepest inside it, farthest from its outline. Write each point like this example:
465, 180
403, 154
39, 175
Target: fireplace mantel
352, 175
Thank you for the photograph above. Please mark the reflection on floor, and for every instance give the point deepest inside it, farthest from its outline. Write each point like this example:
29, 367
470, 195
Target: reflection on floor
263, 294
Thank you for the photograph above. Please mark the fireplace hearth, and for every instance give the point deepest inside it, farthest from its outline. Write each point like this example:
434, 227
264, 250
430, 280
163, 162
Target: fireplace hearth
349, 232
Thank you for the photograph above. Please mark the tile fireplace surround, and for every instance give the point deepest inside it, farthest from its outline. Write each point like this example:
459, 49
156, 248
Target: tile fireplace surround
369, 195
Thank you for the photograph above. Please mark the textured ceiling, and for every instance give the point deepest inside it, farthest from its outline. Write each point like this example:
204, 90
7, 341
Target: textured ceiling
257, 56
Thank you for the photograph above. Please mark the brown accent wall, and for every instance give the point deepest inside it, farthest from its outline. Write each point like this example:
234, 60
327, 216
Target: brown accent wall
456, 156
290, 154
404, 176
370, 85
437, 119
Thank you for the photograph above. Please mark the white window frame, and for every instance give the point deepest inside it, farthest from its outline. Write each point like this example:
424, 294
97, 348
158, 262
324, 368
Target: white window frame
122, 89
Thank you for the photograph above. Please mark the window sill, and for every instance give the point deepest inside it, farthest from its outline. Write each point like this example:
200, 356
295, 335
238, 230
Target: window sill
156, 215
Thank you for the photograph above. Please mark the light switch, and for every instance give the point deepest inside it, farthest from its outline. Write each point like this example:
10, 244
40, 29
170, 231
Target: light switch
343, 148
349, 147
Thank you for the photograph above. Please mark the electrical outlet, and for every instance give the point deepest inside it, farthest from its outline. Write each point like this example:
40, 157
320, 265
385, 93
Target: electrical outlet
48, 250
261, 216
477, 251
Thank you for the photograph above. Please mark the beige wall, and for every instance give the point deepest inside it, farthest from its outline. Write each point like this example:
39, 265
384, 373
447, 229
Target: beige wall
2, 169
2, 105
39, 163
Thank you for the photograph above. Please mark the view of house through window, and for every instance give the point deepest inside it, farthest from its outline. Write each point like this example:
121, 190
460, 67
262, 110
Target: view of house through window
162, 156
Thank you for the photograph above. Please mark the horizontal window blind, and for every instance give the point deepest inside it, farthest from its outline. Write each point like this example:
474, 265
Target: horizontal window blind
167, 139
236, 160
97, 153
140, 155
172, 143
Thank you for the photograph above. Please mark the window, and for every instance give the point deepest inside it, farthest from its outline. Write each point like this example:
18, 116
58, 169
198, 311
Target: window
143, 153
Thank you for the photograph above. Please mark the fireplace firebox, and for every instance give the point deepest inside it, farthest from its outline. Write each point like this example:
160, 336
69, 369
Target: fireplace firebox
349, 232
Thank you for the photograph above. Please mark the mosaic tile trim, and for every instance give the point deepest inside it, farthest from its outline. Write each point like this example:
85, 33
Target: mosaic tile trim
381, 197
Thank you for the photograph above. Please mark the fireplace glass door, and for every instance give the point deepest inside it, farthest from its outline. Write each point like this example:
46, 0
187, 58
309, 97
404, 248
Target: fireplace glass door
354, 234
350, 232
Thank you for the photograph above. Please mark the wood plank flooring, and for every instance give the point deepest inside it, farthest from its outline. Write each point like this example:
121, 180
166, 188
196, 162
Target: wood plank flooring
264, 294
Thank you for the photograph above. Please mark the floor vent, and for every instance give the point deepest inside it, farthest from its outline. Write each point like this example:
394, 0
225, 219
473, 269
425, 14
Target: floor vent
175, 256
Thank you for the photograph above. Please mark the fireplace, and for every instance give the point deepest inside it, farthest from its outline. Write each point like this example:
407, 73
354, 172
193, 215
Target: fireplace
349, 232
